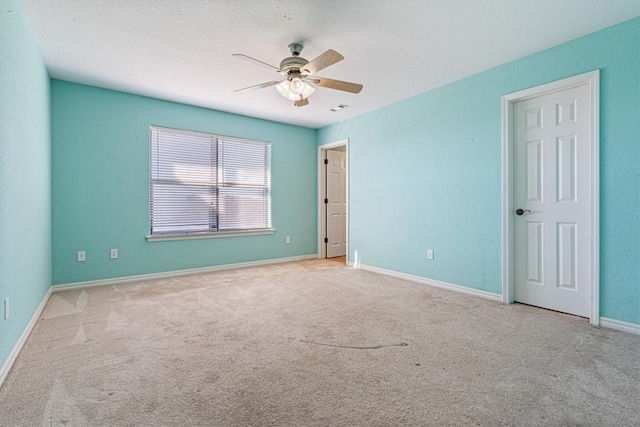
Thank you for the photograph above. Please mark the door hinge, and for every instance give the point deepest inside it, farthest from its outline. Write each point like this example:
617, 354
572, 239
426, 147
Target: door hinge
326, 240
326, 201
326, 161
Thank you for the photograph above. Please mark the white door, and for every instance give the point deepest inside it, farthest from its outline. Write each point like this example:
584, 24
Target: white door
552, 176
337, 203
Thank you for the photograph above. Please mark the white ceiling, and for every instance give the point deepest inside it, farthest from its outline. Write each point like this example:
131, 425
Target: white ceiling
181, 50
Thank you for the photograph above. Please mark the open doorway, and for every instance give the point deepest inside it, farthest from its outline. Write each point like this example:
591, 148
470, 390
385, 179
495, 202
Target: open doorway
333, 196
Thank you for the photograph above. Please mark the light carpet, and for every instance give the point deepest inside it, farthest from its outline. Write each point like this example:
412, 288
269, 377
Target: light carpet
314, 343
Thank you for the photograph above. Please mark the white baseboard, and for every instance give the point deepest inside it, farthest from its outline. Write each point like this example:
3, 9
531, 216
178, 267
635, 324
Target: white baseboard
435, 283
164, 275
8, 364
619, 325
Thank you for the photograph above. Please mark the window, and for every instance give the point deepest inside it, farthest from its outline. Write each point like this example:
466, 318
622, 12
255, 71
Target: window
203, 184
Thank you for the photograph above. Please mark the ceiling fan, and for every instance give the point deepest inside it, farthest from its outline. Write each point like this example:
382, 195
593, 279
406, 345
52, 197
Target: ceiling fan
300, 79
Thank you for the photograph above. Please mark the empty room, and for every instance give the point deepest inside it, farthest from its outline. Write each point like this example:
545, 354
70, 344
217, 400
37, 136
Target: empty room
319, 213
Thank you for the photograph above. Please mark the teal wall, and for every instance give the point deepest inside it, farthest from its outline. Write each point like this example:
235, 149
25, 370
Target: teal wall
25, 175
100, 177
425, 172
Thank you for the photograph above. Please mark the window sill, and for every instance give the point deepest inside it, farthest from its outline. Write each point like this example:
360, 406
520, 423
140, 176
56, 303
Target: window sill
205, 235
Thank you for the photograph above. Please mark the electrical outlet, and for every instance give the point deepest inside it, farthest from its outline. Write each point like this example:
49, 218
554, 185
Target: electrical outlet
430, 254
287, 240
6, 308
114, 254
82, 256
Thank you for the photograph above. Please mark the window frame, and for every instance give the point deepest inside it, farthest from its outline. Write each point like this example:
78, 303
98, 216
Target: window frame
217, 141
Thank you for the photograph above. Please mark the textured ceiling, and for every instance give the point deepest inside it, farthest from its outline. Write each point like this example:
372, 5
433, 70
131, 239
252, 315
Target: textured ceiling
182, 50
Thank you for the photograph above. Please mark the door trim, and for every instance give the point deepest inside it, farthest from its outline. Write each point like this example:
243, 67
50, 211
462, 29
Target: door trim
592, 79
322, 213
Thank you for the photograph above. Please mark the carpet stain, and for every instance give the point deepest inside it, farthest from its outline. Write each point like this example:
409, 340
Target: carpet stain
373, 347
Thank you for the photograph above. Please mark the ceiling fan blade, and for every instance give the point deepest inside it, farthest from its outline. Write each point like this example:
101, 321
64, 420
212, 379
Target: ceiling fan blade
330, 57
256, 61
335, 84
256, 87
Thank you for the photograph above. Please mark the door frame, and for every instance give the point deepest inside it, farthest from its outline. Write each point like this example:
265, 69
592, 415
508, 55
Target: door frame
592, 79
322, 212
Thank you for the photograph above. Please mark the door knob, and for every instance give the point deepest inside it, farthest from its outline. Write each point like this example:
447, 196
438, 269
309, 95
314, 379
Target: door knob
520, 211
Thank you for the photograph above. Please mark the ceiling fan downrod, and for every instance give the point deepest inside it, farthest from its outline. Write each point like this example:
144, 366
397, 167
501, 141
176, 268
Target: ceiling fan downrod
295, 49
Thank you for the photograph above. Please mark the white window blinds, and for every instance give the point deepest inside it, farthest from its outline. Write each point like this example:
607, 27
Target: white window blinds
203, 183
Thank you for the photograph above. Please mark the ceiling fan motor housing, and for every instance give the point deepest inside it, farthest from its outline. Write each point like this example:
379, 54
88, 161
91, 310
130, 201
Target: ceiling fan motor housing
293, 63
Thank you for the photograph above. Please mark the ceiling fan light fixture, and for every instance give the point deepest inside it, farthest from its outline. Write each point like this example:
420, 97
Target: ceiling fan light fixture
294, 89
296, 86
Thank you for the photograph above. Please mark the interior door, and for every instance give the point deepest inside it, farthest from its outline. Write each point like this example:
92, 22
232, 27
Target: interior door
552, 200
337, 203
